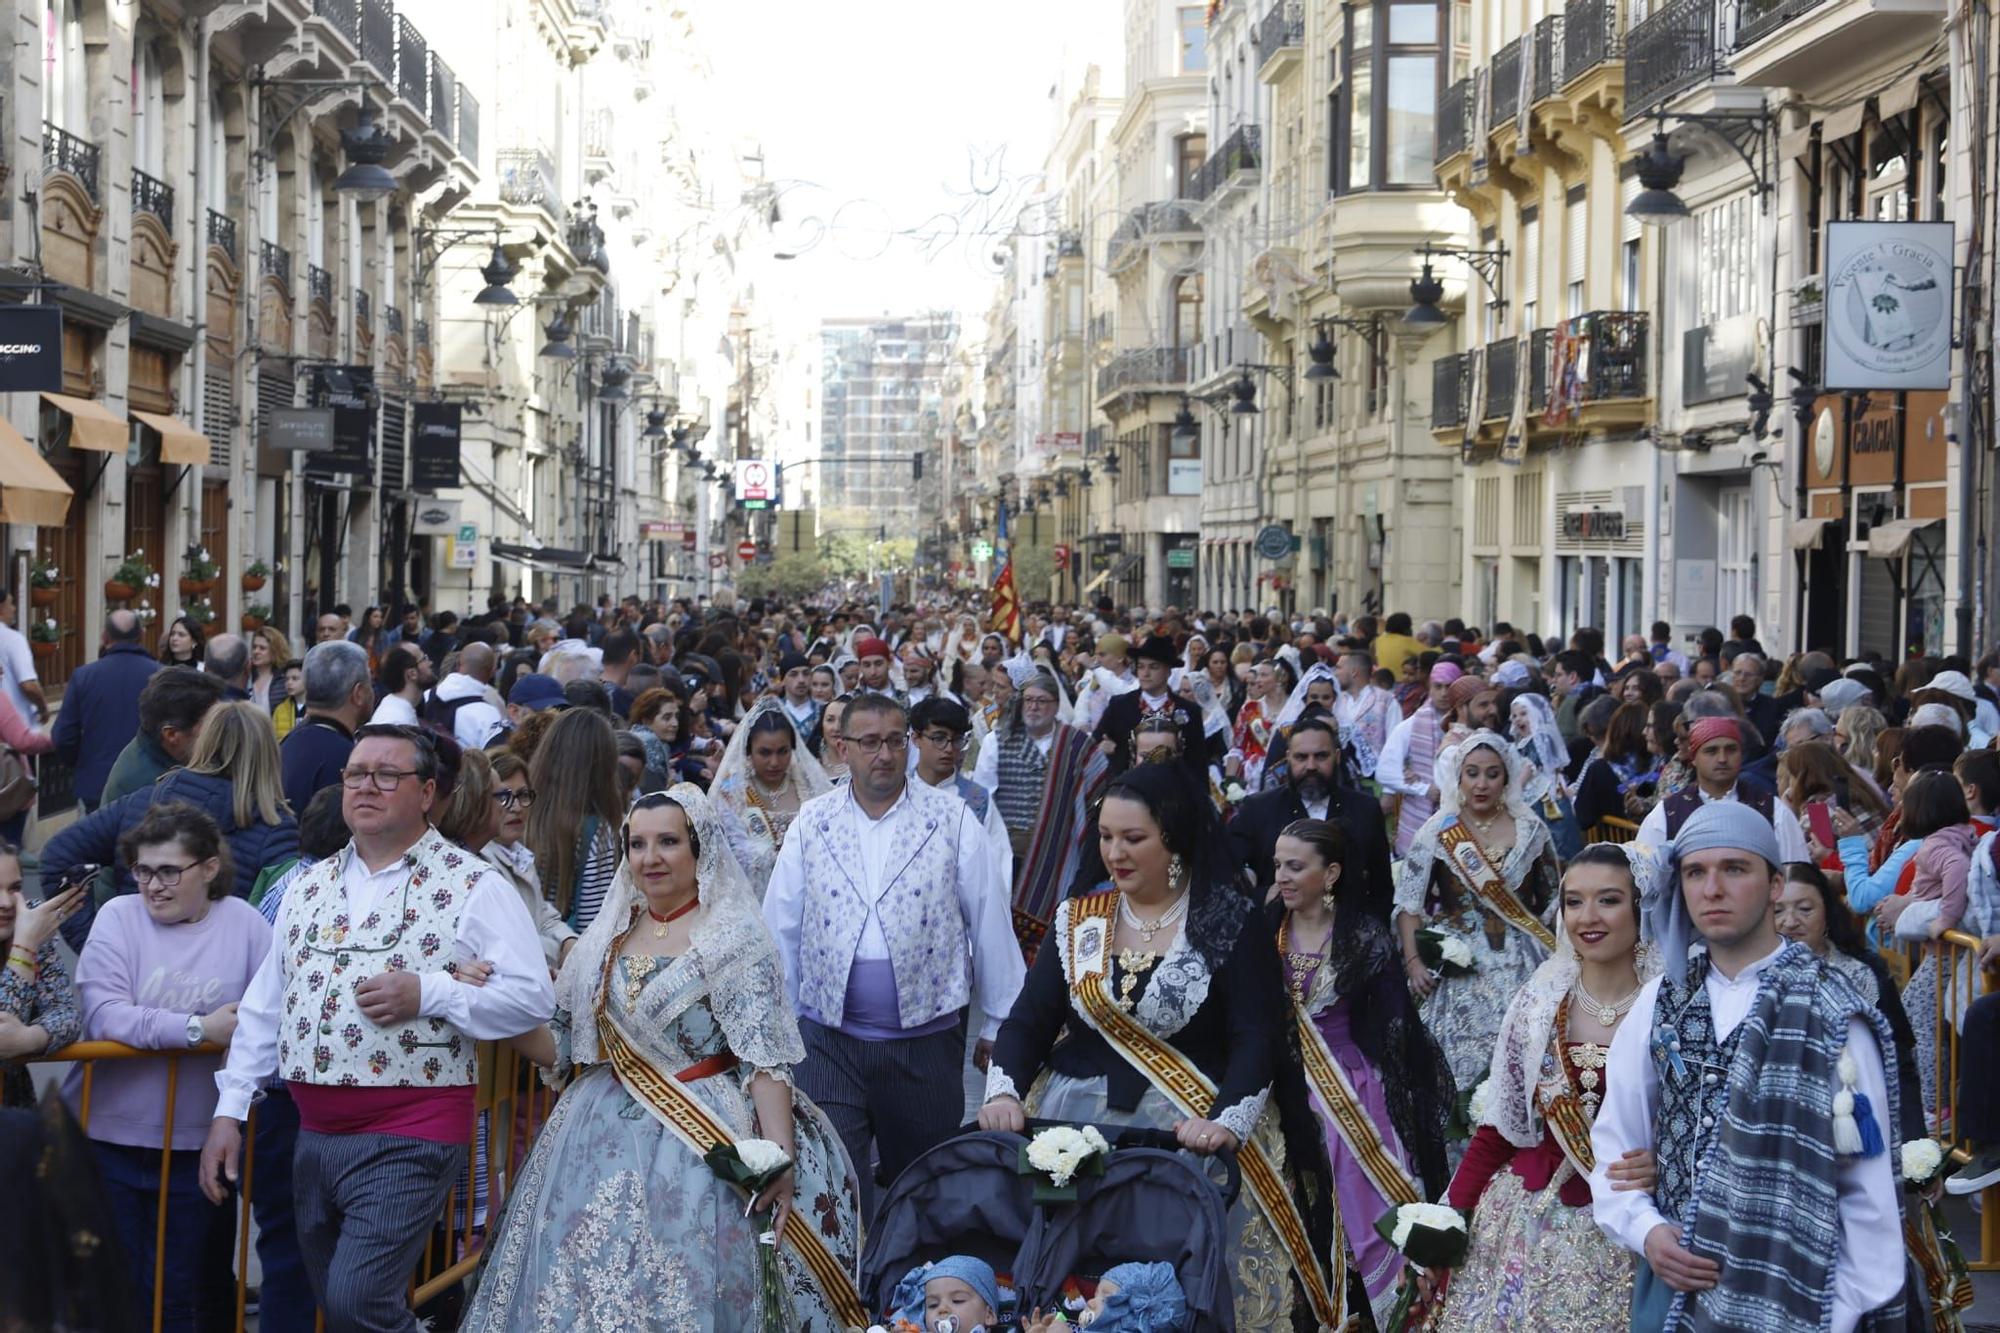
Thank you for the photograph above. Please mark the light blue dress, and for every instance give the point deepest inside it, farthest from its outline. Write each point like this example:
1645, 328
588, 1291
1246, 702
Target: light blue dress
615, 1224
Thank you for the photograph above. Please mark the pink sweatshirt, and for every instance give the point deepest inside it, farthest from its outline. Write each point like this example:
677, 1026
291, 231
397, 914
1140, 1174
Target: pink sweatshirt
1942, 862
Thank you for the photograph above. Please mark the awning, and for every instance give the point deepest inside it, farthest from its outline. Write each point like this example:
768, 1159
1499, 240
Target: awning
31, 492
1803, 534
1888, 541
541, 557
180, 443
92, 424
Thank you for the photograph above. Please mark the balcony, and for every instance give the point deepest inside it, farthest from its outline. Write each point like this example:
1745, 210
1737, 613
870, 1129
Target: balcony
378, 37
343, 16
1069, 244
1504, 86
443, 113
1240, 152
276, 262
527, 176
1283, 29
1454, 120
421, 334
413, 67
65, 152
222, 235
1142, 369
1546, 42
1503, 378
1783, 43
364, 309
1592, 371
153, 195
1451, 388
468, 125
599, 130
1592, 35
1144, 223
392, 320
1677, 48
319, 285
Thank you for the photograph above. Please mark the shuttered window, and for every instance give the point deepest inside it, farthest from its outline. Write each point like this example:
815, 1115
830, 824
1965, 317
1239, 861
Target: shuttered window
1576, 233
218, 412
1531, 265
394, 443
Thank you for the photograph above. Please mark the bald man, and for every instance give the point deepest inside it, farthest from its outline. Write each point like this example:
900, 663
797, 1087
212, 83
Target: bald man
464, 700
100, 712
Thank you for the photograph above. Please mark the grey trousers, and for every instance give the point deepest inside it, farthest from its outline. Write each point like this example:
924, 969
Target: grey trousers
365, 1205
893, 1099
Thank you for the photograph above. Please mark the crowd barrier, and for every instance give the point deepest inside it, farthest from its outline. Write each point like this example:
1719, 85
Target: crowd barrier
1613, 829
1960, 982
512, 1104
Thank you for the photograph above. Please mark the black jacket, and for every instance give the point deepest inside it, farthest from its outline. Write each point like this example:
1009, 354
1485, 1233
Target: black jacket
1121, 715
1254, 830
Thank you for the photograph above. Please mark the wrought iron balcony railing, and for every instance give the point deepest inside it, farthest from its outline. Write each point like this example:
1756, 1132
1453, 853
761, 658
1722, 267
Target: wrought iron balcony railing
1241, 151
468, 124
78, 157
378, 37
344, 16
1503, 98
1547, 44
1069, 244
1166, 218
152, 195
364, 309
1503, 369
392, 320
528, 178
222, 233
1597, 357
1756, 19
276, 262
443, 111
1451, 386
421, 334
1593, 35
413, 66
1143, 366
1454, 119
1284, 26
319, 284
1676, 48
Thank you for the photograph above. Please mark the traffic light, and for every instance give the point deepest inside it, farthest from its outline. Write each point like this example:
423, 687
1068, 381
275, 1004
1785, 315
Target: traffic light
917, 467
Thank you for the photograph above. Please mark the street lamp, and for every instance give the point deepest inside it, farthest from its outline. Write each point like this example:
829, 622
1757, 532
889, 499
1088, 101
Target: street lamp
367, 147
656, 424
612, 380
1245, 392
1659, 168
1321, 352
499, 271
558, 346
1186, 429
1425, 293
1110, 462
1659, 171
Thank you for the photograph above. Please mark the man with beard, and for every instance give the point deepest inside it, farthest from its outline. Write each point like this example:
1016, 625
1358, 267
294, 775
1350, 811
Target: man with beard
1474, 704
918, 668
1312, 790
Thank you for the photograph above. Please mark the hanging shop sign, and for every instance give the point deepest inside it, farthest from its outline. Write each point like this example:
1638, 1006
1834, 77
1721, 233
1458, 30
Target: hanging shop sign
1888, 305
305, 430
434, 445
434, 518
31, 349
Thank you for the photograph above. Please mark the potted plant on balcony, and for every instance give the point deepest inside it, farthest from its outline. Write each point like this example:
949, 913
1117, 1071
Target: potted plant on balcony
132, 574
1809, 302
198, 575
255, 616
42, 589
254, 575
44, 637
200, 613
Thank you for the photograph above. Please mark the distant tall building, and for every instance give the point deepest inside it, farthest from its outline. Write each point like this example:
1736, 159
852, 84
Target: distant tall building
882, 400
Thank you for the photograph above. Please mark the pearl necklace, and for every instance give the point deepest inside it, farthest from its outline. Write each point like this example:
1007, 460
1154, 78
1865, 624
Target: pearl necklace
1158, 924
1607, 1015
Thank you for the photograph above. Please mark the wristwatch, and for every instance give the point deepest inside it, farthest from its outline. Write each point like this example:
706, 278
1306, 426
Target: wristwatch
194, 1031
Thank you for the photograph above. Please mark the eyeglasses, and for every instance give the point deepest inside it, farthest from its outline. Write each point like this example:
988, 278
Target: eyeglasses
874, 745
385, 779
510, 798
950, 740
1037, 701
167, 877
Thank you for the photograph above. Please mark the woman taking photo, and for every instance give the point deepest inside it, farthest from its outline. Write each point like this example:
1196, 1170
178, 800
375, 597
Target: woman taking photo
1480, 871
766, 774
163, 971
38, 1010
573, 825
1352, 1012
1537, 1260
674, 1034
1163, 1007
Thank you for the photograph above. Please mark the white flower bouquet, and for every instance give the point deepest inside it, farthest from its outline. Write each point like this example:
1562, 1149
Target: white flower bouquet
1478, 1104
1057, 1155
1235, 793
1922, 1160
1429, 1235
1445, 955
751, 1165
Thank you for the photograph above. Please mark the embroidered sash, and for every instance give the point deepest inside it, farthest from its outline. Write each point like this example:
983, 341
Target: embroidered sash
1350, 1120
1478, 873
1562, 1106
1191, 1092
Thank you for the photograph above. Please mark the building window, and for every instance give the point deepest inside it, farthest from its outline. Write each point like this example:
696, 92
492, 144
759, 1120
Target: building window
1193, 39
1187, 310
62, 66
1190, 151
1388, 101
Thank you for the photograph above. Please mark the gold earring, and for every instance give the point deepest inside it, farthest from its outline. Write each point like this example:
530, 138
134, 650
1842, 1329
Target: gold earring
1326, 895
1176, 872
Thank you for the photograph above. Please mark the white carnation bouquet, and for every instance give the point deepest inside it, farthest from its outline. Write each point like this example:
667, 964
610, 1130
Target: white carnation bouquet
1922, 1160
752, 1165
1058, 1154
1445, 955
1431, 1236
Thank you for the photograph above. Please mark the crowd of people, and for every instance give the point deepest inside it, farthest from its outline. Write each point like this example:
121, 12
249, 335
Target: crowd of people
1602, 957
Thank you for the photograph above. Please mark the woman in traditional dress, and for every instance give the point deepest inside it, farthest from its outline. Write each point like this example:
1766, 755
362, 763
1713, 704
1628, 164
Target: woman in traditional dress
1354, 1019
1161, 1005
671, 1017
1479, 871
1540, 742
1537, 1262
766, 774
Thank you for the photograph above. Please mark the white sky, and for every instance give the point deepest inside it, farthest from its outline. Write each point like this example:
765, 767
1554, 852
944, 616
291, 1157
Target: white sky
908, 133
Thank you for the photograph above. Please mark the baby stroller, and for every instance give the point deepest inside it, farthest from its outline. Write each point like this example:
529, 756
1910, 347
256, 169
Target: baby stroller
1152, 1204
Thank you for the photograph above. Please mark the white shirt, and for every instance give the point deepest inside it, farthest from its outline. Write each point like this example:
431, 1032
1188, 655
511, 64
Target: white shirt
476, 723
1316, 809
1391, 764
1866, 1187
17, 663
494, 926
394, 711
999, 846
986, 772
1784, 821
984, 904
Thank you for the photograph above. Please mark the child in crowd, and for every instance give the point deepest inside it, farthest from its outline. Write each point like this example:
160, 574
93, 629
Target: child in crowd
958, 1294
1131, 1298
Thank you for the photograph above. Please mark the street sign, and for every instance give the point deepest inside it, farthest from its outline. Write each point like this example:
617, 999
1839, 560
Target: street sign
982, 550
754, 479
717, 559
689, 540
1274, 543
746, 551
464, 553
1180, 557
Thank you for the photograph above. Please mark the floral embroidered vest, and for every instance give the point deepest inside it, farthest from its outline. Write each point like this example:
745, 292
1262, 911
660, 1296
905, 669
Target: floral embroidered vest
322, 1036
918, 906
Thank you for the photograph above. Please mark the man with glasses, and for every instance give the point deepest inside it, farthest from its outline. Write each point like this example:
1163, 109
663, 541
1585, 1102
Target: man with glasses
357, 1010
940, 729
890, 920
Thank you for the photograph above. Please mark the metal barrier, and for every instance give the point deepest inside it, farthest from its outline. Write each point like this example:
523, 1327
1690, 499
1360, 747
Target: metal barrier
512, 1106
1960, 982
1613, 829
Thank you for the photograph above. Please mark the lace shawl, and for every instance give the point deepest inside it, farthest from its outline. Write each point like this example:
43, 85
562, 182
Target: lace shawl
1519, 1075
1543, 748
731, 791
1531, 835
728, 940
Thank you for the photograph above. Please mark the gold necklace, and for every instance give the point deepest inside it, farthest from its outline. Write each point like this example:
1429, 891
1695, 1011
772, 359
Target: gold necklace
1607, 1015
1133, 965
1481, 826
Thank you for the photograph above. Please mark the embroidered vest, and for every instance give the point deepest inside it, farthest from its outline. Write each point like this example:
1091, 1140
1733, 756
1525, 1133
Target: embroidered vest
1693, 1069
1687, 800
918, 907
974, 796
1024, 775
322, 1037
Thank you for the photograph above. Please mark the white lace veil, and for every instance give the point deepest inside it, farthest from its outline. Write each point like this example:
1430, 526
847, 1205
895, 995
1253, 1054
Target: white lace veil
1543, 744
1518, 1072
727, 938
1214, 719
1449, 760
1295, 703
733, 775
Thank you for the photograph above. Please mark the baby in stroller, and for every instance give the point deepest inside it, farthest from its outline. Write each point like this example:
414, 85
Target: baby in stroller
1130, 1298
961, 1294
956, 1294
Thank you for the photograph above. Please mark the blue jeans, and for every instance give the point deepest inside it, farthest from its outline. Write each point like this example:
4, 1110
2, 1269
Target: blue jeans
1651, 1299
198, 1293
288, 1304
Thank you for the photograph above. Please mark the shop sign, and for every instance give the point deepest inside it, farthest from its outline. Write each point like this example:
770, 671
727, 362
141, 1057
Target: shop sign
464, 547
434, 518
31, 349
1593, 525
1183, 476
1273, 542
298, 429
1888, 305
434, 445
1180, 557
1717, 359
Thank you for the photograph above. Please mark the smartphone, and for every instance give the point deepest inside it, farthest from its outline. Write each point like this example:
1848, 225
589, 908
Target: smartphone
1819, 818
